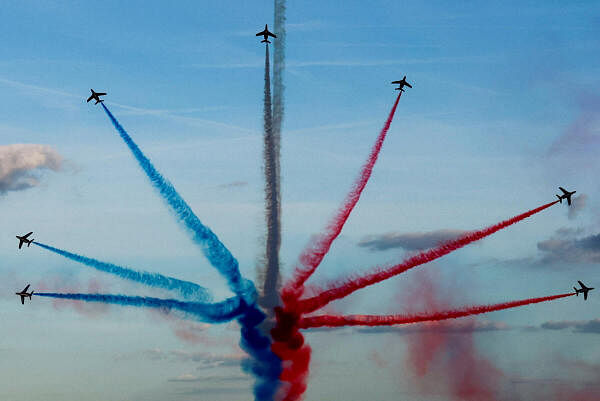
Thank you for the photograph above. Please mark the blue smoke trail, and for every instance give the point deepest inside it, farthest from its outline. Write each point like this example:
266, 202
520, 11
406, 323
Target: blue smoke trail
214, 250
187, 289
210, 313
265, 365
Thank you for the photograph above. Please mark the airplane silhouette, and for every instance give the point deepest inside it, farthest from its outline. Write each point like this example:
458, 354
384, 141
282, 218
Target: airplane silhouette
266, 35
584, 290
566, 195
23, 239
24, 294
96, 96
402, 84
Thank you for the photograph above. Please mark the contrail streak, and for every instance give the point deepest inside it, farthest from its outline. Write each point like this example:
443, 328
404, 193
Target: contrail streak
210, 313
314, 253
214, 250
270, 296
278, 69
389, 320
337, 291
185, 288
265, 365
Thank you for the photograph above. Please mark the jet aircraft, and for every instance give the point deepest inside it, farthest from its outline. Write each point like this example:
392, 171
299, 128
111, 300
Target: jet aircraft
566, 195
24, 294
402, 84
96, 96
583, 290
23, 239
265, 34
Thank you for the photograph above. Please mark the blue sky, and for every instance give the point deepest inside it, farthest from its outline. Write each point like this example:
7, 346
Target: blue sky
495, 86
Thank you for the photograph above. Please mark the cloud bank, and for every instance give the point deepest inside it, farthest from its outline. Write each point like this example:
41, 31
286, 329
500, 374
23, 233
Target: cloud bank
567, 246
409, 241
585, 326
21, 165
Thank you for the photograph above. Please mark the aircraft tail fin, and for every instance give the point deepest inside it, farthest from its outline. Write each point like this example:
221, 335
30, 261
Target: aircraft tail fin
559, 198
265, 41
29, 243
576, 292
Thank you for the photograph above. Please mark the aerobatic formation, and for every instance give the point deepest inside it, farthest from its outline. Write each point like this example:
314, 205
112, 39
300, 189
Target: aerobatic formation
271, 316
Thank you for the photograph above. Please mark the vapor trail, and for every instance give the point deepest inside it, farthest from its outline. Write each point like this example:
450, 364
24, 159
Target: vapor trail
316, 250
185, 288
264, 364
278, 70
270, 296
389, 320
378, 274
210, 313
214, 250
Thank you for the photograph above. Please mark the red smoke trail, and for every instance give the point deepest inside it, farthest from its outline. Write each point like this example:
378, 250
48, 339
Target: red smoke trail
383, 273
288, 344
388, 320
316, 250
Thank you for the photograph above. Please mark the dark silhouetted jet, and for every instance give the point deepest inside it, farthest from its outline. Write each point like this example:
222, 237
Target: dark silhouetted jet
96, 96
265, 34
24, 294
402, 84
566, 195
23, 240
584, 290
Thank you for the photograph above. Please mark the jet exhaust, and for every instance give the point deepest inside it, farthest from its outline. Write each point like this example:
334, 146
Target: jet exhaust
218, 312
390, 320
264, 365
316, 250
214, 250
270, 295
288, 341
336, 291
188, 290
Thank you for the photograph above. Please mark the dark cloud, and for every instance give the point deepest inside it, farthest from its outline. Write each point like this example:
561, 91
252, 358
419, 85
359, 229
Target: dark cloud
455, 327
585, 326
577, 205
567, 246
21, 164
409, 241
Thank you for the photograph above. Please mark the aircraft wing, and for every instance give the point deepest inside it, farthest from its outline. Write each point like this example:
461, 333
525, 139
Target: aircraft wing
563, 190
100, 93
409, 85
569, 201
26, 288
20, 243
28, 234
585, 296
581, 284
396, 82
90, 98
271, 34
22, 300
260, 33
